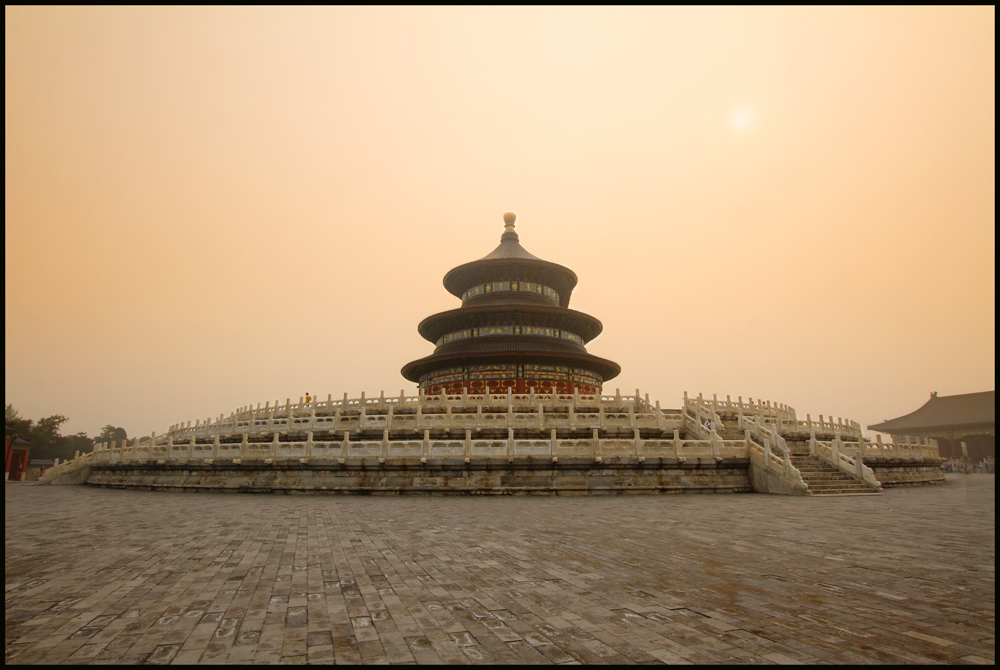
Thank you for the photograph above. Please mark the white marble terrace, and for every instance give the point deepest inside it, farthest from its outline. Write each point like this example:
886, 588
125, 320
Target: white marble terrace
509, 426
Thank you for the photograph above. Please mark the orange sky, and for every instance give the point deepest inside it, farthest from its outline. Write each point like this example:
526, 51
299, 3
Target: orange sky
212, 207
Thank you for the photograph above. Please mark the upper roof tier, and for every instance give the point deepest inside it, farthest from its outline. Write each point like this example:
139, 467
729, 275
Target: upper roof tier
511, 261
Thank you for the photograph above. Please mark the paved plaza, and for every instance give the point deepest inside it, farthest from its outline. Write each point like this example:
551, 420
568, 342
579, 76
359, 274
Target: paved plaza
112, 576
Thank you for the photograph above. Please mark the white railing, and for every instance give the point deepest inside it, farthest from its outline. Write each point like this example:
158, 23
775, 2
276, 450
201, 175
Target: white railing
478, 411
749, 407
900, 447
701, 417
769, 451
594, 446
843, 427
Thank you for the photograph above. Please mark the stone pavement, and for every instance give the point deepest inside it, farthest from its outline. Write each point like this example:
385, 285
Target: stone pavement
109, 576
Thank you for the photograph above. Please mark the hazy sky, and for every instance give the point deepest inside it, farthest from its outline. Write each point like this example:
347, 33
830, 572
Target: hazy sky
212, 207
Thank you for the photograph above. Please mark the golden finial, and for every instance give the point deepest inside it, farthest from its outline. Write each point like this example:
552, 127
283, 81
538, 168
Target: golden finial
508, 222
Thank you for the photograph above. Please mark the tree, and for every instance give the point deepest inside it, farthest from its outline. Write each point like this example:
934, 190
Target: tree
111, 434
14, 417
74, 443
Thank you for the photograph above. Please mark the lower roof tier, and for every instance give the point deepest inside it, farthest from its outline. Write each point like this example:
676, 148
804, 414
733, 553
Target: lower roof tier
517, 352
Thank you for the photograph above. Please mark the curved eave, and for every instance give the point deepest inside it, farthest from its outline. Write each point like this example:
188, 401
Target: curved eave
436, 325
558, 277
608, 370
944, 429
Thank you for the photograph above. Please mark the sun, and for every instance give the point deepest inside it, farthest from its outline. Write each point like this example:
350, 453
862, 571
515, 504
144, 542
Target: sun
742, 118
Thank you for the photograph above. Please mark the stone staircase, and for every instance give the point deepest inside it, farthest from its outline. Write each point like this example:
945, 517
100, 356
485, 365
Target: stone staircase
821, 477
824, 479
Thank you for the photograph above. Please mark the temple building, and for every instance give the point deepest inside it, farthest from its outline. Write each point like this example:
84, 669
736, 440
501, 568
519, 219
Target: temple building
953, 420
15, 453
514, 329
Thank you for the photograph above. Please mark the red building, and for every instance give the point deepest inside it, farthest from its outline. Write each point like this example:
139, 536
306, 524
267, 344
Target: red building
952, 420
514, 329
15, 452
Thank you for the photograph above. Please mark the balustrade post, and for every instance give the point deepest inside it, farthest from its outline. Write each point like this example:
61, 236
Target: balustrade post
597, 442
510, 439
659, 417
385, 442
553, 442
345, 444
677, 442
309, 443
812, 443
636, 442
468, 443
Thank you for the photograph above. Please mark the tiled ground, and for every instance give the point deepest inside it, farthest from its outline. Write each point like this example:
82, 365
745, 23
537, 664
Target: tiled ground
108, 576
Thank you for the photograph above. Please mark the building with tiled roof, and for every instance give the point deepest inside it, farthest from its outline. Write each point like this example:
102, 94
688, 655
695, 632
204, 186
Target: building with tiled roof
951, 420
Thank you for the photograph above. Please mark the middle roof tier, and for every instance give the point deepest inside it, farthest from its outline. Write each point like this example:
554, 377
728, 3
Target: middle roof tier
579, 323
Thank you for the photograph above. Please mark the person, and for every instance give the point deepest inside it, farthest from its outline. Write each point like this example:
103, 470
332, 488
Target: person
308, 398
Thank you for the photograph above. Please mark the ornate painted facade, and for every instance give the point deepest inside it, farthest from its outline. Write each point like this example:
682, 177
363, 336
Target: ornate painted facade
513, 331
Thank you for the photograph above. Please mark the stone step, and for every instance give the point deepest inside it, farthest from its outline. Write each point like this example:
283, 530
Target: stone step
839, 485
825, 479
868, 492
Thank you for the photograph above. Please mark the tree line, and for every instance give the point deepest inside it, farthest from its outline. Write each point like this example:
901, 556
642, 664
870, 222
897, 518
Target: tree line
48, 442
